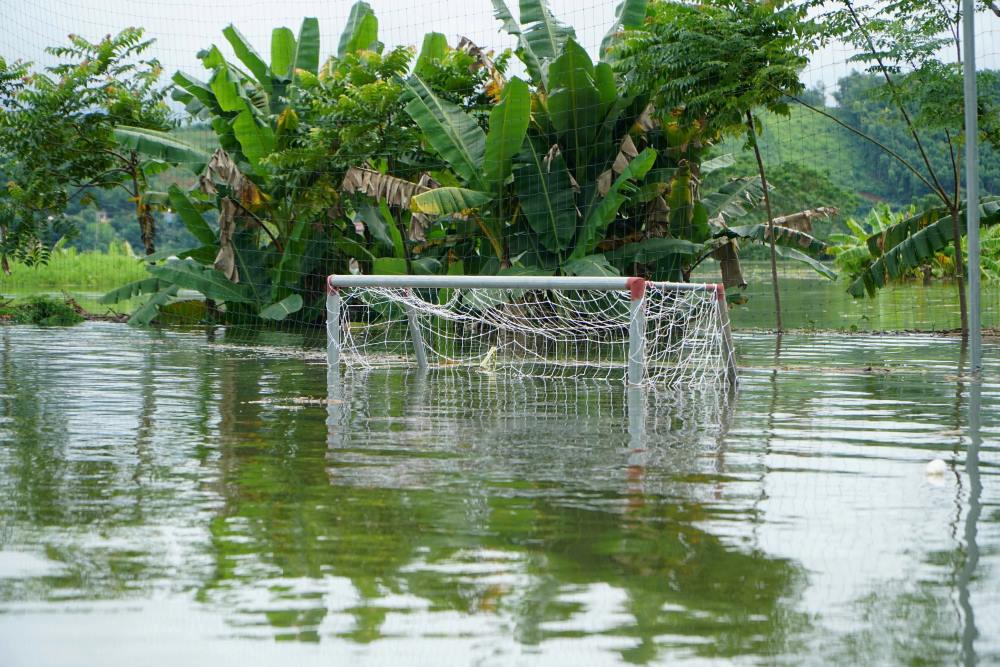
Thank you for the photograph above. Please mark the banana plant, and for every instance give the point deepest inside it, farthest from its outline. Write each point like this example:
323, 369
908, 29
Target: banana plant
541, 36
244, 105
659, 251
544, 182
276, 236
481, 162
912, 243
577, 167
229, 266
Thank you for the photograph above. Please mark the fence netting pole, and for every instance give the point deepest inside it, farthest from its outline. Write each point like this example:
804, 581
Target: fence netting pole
972, 180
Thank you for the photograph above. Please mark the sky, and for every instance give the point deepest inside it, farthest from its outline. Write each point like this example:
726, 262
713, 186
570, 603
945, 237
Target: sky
183, 27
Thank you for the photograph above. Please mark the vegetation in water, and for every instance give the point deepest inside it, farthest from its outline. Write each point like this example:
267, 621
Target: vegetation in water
42, 310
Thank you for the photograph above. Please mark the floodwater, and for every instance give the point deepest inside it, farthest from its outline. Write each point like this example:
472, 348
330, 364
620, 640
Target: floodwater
194, 498
811, 302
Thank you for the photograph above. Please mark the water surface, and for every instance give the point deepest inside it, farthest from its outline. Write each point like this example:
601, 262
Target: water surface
196, 497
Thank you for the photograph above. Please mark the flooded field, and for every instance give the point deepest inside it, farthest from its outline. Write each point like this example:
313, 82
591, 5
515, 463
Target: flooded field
193, 497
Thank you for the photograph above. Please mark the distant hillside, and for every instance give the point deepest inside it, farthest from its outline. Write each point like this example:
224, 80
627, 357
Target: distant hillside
810, 162
813, 161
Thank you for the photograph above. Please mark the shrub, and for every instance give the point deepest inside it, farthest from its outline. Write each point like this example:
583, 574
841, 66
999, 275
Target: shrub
42, 310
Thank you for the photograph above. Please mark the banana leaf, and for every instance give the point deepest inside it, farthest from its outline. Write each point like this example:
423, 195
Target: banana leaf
719, 162
540, 39
195, 89
799, 256
605, 212
545, 192
733, 200
651, 250
132, 289
629, 14
454, 134
917, 247
541, 32
889, 238
189, 215
434, 48
282, 309
574, 103
591, 265
361, 31
508, 125
289, 269
161, 146
783, 236
443, 201
148, 311
384, 188
249, 56
188, 274
395, 266
154, 198
256, 141
307, 47
282, 52
384, 232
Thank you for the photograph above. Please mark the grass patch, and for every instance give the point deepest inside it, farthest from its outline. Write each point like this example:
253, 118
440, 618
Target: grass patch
70, 270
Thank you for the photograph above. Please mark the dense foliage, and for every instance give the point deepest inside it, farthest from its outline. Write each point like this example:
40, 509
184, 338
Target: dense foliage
389, 159
58, 140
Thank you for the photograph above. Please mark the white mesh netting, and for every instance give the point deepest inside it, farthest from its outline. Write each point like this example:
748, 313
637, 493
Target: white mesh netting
539, 332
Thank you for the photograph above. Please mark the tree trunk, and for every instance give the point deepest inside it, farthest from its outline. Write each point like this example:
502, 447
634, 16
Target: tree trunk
147, 223
770, 223
963, 305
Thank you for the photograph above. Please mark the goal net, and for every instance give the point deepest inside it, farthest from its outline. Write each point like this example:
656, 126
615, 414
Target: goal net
624, 329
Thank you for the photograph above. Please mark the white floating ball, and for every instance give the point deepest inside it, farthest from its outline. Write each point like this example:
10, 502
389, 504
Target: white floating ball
936, 468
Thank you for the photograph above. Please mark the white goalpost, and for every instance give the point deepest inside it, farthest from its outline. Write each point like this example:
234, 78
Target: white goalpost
638, 331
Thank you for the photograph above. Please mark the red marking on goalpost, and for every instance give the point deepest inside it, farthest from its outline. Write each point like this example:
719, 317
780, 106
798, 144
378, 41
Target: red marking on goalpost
636, 288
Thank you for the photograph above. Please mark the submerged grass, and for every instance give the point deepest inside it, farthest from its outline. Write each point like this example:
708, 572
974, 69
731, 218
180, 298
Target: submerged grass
43, 310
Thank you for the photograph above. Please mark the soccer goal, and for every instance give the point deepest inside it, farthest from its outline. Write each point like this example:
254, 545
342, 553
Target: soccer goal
641, 332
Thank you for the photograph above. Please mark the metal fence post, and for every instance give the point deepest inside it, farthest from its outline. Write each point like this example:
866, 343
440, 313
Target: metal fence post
972, 180
419, 348
332, 327
728, 349
637, 331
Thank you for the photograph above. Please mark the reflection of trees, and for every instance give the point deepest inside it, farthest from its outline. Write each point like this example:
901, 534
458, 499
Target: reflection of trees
79, 459
452, 488
38, 463
926, 615
680, 581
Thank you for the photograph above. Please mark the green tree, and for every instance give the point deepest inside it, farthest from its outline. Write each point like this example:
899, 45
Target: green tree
714, 65
311, 172
908, 44
75, 127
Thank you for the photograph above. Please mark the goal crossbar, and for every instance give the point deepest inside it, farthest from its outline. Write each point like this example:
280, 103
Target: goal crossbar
508, 282
639, 308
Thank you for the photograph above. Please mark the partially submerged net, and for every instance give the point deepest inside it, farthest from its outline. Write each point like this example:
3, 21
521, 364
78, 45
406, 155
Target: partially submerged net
671, 334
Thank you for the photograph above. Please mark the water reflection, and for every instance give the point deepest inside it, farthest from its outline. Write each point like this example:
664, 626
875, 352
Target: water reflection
459, 516
971, 560
531, 501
